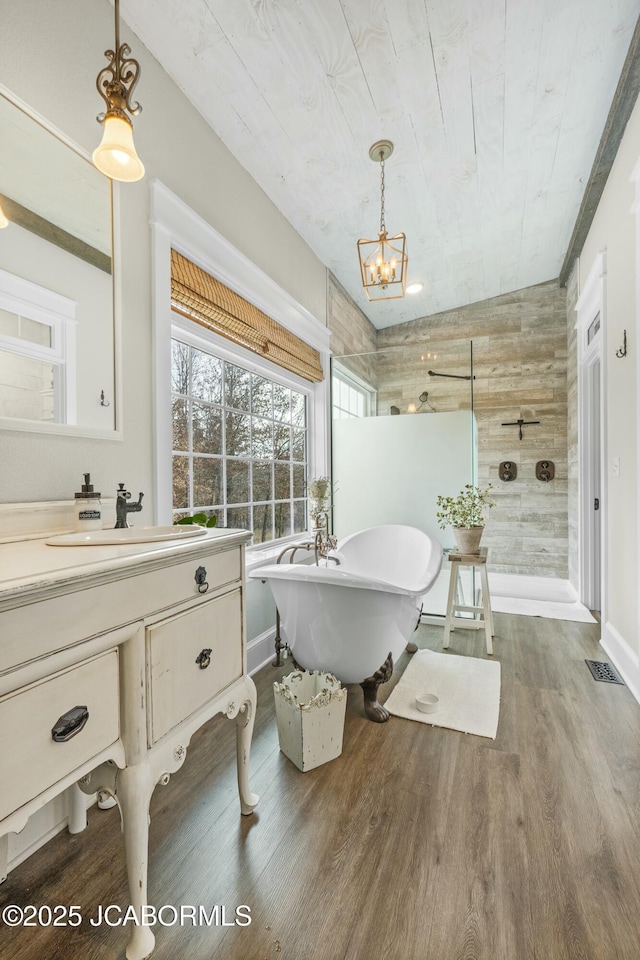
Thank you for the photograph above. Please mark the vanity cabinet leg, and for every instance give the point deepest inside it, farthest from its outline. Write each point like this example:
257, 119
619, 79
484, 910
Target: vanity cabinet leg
135, 786
245, 720
4, 857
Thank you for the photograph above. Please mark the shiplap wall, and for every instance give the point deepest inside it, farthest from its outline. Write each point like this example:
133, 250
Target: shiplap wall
520, 365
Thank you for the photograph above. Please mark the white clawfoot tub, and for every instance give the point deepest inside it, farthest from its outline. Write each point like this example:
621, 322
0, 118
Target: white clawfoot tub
356, 611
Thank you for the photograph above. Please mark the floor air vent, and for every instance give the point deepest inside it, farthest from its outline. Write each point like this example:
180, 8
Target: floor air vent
600, 670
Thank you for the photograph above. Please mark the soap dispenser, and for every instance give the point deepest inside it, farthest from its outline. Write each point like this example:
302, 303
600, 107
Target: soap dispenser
88, 510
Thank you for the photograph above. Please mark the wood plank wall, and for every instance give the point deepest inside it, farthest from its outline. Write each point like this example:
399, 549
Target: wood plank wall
352, 334
520, 364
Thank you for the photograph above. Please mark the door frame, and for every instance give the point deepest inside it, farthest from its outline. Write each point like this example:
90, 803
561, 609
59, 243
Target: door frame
590, 305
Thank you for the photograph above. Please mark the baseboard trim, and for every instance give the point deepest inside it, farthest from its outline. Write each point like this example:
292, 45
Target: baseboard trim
624, 659
260, 650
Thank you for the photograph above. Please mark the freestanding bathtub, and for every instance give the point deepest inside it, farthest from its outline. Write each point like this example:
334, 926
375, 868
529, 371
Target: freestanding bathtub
355, 612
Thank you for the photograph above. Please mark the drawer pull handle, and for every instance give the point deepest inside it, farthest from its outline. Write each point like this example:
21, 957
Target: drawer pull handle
69, 724
204, 658
201, 580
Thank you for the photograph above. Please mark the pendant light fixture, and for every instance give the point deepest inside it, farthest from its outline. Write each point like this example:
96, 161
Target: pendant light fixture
116, 156
383, 262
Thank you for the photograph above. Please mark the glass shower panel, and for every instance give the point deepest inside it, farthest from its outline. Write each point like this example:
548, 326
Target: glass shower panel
415, 441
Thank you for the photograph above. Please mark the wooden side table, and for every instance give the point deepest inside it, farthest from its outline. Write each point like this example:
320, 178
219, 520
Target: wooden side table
478, 560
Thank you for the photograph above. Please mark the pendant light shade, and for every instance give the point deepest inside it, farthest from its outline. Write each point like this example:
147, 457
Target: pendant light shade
116, 155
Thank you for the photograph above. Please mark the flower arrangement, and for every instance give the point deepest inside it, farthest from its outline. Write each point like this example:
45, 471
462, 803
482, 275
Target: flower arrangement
466, 510
319, 494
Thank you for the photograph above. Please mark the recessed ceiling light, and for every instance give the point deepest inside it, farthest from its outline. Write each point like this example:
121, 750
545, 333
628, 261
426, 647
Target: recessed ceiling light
415, 287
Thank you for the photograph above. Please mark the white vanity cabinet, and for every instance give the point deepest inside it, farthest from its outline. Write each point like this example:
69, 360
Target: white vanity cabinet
111, 657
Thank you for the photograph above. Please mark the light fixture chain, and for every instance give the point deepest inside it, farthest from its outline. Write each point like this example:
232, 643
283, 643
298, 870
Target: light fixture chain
383, 227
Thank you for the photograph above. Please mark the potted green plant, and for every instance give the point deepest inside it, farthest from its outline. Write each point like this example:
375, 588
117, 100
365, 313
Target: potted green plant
319, 498
465, 514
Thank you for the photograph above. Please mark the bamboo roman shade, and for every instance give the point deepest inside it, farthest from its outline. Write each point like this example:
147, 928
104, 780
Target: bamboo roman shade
199, 296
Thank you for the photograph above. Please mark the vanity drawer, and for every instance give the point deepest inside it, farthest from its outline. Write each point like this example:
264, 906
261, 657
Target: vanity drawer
32, 631
183, 676
30, 759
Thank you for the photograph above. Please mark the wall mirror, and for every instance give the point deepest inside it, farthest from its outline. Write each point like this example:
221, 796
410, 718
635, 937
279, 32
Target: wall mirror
57, 329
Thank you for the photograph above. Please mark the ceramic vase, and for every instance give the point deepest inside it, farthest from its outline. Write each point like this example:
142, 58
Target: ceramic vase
468, 539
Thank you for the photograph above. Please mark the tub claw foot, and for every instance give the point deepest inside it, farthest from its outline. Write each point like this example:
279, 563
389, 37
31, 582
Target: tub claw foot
374, 710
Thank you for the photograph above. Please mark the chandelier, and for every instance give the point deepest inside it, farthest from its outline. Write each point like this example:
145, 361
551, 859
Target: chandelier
116, 155
383, 262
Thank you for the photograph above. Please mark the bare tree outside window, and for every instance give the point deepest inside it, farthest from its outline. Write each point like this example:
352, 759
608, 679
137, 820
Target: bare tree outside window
239, 445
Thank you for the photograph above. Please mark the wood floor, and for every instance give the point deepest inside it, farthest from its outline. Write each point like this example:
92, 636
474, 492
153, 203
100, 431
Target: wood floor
418, 843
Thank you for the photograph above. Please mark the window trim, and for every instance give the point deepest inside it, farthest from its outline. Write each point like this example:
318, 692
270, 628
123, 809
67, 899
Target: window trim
174, 224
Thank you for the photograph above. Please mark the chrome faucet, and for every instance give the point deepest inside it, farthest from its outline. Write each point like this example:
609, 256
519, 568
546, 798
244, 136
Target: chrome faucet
123, 508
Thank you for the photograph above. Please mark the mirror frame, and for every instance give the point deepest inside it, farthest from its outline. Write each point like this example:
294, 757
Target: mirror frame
72, 429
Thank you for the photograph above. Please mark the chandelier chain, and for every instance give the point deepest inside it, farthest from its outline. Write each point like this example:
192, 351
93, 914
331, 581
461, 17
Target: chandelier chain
383, 227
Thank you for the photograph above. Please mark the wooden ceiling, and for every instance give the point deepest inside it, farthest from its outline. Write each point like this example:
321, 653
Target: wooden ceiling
495, 108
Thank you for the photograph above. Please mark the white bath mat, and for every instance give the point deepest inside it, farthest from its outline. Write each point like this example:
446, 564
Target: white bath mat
552, 609
468, 690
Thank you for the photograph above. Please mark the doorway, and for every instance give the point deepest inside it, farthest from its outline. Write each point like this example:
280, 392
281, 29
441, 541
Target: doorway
591, 438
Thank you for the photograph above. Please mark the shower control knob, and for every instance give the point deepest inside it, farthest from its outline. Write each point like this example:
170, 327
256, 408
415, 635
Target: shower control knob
545, 470
508, 470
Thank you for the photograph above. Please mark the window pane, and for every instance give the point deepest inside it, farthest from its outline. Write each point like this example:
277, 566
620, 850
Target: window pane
298, 480
299, 516
239, 517
179, 367
262, 438
281, 441
27, 388
9, 323
262, 523
282, 481
237, 481
240, 433
298, 445
282, 519
237, 439
237, 383
180, 483
297, 408
262, 481
281, 403
206, 376
207, 428
261, 396
207, 482
179, 411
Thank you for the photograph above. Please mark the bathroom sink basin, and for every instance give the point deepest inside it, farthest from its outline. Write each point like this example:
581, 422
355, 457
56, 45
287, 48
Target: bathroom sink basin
100, 538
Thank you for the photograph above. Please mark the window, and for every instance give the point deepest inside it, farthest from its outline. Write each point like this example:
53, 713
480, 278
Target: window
351, 397
239, 445
37, 347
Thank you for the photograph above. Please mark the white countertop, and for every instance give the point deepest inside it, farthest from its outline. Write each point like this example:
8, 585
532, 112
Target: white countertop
28, 566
